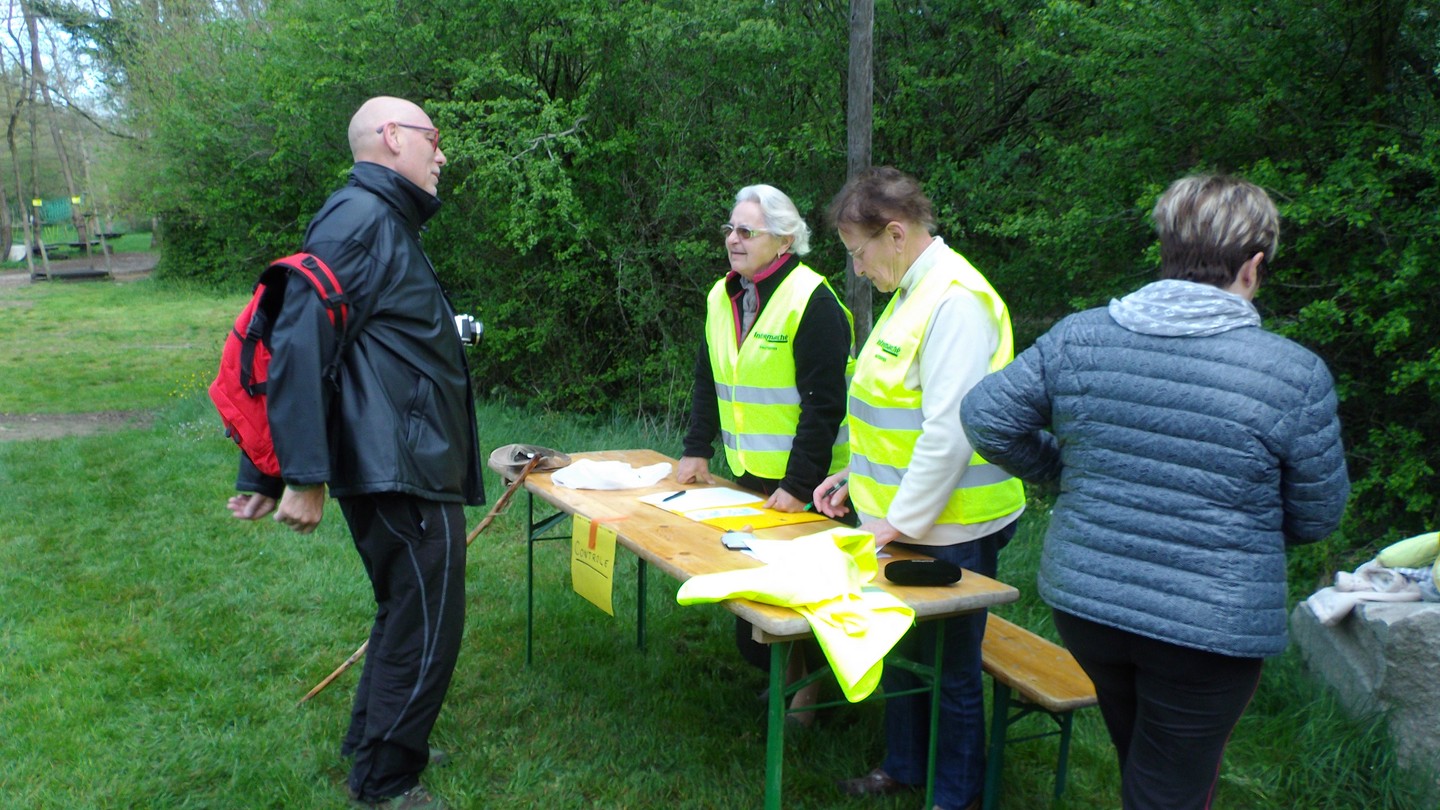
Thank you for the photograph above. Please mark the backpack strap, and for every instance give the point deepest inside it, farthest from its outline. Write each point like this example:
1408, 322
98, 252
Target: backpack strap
337, 303
254, 330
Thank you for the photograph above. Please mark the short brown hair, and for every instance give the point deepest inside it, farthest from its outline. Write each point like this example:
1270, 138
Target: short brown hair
1210, 225
879, 195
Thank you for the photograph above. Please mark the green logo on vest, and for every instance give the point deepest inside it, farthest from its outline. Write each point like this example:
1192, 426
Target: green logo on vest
889, 348
772, 338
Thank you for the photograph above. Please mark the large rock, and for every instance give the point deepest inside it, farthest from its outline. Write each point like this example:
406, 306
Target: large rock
1383, 657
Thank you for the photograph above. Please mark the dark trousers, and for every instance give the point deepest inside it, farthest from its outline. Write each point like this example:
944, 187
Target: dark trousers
414, 551
1169, 710
960, 752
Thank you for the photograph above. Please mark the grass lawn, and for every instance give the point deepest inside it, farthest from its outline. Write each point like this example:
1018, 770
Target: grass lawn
152, 650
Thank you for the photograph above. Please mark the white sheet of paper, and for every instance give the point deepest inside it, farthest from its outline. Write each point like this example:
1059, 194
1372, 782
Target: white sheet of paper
703, 498
703, 515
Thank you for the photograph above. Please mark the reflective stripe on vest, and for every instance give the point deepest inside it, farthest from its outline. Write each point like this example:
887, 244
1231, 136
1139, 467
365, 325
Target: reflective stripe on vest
885, 415
755, 381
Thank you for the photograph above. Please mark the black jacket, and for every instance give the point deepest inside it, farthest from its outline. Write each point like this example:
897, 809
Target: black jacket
402, 418
822, 349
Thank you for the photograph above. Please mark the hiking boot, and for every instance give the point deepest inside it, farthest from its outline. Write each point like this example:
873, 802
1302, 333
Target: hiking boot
416, 798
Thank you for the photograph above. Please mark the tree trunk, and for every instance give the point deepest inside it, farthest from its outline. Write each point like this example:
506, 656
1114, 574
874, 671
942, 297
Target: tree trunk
87, 219
14, 106
37, 70
36, 229
859, 112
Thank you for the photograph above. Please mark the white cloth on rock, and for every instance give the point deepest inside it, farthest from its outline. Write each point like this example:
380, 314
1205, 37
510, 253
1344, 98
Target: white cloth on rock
1371, 582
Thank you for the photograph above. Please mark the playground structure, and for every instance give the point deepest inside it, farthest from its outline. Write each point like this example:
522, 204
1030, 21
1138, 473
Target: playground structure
60, 227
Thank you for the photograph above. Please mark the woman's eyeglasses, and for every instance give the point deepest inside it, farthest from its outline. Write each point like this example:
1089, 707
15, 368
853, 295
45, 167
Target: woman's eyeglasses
745, 231
855, 254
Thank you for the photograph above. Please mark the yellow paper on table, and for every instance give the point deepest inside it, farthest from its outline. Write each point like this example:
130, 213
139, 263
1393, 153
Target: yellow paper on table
592, 562
755, 518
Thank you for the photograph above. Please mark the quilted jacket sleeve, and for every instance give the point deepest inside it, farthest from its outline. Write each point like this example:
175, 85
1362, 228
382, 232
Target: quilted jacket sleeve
1314, 484
1007, 416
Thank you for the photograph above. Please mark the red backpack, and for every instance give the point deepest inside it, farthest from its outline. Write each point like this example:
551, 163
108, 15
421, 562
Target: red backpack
239, 388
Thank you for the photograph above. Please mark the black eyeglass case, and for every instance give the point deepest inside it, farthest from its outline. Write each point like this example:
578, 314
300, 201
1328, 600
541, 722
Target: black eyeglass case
922, 572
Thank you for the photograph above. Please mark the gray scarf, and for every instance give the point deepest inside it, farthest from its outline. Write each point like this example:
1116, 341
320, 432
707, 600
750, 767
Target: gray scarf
749, 304
1173, 308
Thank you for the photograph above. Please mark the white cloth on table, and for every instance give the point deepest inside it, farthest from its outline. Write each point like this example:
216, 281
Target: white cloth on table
590, 474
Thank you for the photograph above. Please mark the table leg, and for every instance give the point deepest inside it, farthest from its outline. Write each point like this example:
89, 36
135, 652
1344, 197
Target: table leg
999, 729
529, 576
640, 606
533, 534
775, 725
936, 671
1064, 761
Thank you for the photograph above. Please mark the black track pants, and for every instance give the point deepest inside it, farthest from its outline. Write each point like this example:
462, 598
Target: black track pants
414, 552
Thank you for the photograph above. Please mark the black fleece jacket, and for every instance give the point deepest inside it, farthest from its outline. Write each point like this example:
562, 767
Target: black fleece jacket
822, 348
402, 418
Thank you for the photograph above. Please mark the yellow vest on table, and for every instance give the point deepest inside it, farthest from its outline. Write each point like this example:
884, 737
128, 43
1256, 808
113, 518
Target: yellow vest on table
885, 417
755, 381
826, 577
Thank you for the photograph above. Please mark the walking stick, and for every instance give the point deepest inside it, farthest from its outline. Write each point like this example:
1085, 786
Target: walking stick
470, 538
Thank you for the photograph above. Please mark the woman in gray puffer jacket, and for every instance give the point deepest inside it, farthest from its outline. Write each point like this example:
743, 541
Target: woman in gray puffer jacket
1191, 447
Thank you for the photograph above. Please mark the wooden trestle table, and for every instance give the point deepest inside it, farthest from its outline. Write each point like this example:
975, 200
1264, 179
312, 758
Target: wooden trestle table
683, 548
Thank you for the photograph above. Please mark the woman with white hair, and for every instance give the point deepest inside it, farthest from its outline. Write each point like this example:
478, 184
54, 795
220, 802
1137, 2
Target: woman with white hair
770, 375
1192, 448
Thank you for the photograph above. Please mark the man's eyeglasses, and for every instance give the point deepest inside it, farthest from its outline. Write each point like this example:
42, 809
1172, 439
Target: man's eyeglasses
433, 137
745, 231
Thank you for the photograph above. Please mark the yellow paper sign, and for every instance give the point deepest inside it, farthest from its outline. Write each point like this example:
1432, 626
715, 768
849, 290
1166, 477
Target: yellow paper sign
592, 562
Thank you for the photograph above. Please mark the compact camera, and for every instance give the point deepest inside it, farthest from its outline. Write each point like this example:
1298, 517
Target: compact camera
470, 330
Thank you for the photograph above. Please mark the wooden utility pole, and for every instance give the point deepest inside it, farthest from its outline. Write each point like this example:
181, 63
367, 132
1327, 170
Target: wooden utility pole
859, 115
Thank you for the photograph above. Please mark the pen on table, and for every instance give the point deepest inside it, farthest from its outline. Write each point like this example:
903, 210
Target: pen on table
672, 497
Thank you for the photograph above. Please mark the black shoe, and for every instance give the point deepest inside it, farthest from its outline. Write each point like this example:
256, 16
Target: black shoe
874, 783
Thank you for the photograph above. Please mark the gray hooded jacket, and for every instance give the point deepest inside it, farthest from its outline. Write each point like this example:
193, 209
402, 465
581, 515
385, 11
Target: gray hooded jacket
1191, 448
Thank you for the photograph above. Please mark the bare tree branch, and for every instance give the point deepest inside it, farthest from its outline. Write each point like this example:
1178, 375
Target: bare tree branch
546, 138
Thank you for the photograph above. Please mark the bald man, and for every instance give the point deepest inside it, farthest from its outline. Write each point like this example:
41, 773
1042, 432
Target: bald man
391, 433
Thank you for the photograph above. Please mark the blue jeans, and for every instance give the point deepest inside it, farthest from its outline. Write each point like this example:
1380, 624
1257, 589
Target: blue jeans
960, 755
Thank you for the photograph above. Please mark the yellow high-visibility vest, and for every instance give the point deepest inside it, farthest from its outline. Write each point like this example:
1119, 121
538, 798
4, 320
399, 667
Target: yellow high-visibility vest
755, 381
885, 416
824, 577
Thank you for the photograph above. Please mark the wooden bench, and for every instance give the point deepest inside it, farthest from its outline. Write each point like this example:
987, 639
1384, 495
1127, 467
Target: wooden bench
1029, 675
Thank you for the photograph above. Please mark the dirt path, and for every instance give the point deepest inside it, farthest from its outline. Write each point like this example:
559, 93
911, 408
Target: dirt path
14, 427
19, 427
123, 267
